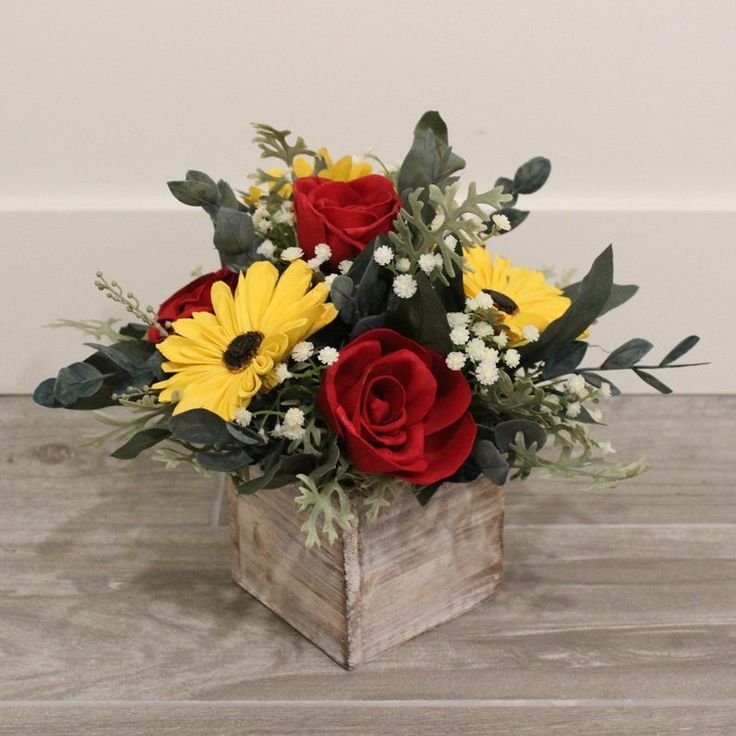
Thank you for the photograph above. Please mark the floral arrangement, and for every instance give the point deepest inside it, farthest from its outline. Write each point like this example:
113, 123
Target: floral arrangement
363, 335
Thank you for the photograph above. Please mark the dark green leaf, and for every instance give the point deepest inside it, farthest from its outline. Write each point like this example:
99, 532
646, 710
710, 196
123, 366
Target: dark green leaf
680, 349
628, 354
490, 461
141, 441
333, 455
227, 196
424, 493
564, 360
653, 381
194, 193
515, 217
134, 330
235, 238
277, 473
224, 462
244, 435
532, 175
193, 175
593, 293
44, 394
453, 295
128, 355
421, 318
199, 427
506, 433
78, 380
595, 380
341, 292
364, 324
620, 293
430, 159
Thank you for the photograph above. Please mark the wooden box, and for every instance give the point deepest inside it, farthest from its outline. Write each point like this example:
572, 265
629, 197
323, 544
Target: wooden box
381, 583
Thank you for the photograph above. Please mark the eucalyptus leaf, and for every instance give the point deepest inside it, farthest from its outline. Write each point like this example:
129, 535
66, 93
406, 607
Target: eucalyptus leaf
595, 380
224, 462
78, 380
235, 238
341, 293
593, 293
44, 394
620, 294
628, 354
141, 441
430, 159
421, 318
278, 472
653, 381
564, 360
506, 432
129, 355
680, 349
244, 435
194, 193
532, 175
490, 461
424, 493
200, 427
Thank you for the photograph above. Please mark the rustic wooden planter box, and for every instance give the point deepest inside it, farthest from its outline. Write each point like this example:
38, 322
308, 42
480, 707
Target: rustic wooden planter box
381, 583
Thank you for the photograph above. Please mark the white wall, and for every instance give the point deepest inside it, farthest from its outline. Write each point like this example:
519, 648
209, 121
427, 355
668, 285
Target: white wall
105, 101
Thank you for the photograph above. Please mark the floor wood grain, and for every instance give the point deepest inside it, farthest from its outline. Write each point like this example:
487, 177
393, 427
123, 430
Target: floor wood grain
617, 613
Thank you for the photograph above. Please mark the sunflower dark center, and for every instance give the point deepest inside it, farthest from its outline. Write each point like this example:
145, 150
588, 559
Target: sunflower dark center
502, 302
242, 350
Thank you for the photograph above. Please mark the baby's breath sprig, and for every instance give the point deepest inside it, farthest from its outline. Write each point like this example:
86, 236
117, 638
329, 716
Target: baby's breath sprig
114, 291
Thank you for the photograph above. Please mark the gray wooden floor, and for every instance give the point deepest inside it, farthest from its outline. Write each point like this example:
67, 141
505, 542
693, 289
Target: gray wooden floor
617, 614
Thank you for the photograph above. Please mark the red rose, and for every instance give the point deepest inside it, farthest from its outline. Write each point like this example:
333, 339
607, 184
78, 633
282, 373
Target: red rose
194, 297
399, 408
346, 215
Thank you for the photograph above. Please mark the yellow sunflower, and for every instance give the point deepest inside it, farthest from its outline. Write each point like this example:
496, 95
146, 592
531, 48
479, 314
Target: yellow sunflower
221, 361
520, 294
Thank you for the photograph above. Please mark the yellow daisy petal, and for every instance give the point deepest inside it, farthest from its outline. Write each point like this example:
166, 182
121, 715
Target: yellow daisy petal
220, 361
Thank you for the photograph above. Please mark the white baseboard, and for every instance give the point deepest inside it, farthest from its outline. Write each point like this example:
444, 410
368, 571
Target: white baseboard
685, 263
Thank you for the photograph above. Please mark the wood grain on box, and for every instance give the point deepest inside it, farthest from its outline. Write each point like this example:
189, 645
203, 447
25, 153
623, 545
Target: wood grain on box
381, 583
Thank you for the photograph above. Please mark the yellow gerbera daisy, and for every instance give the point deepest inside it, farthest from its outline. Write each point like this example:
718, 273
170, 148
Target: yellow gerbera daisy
346, 168
221, 361
522, 295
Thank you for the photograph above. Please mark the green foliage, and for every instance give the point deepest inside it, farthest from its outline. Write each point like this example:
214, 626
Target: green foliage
682, 347
620, 294
430, 160
77, 381
626, 356
569, 465
140, 441
490, 461
421, 318
97, 328
589, 299
327, 505
234, 236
